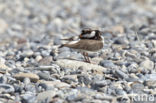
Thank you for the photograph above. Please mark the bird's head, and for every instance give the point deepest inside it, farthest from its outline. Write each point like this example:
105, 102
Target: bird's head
90, 34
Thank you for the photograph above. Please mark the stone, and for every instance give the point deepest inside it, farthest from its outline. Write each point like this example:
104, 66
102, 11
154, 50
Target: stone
84, 79
30, 87
45, 96
3, 25
103, 96
107, 63
96, 60
132, 68
33, 77
154, 43
28, 97
150, 83
45, 76
121, 40
46, 60
27, 53
45, 53
73, 64
147, 64
121, 74
120, 92
3, 79
2, 64
75, 97
26, 81
6, 88
56, 84
99, 84
53, 68
38, 58
70, 78
118, 29
137, 87
6, 98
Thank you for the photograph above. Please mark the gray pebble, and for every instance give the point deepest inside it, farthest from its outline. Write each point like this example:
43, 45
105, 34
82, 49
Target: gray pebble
6, 88
26, 81
120, 92
107, 64
45, 76
84, 79
28, 97
3, 79
137, 87
121, 74
99, 84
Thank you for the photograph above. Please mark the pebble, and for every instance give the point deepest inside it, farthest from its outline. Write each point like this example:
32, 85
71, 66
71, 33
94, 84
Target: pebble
46, 60
121, 74
56, 84
64, 63
45, 96
31, 76
120, 92
121, 40
28, 97
137, 87
107, 64
3, 79
150, 83
132, 68
2, 64
3, 25
96, 60
38, 58
84, 79
6, 88
75, 97
45, 76
53, 68
26, 81
70, 78
99, 84
45, 53
147, 64
27, 53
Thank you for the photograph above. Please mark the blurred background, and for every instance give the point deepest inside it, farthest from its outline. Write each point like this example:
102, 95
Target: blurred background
31, 24
28, 18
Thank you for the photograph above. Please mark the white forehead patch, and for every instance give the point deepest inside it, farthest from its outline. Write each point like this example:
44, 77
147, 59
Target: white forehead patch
90, 35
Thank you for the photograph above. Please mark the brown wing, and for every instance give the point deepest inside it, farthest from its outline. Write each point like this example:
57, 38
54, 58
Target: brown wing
89, 45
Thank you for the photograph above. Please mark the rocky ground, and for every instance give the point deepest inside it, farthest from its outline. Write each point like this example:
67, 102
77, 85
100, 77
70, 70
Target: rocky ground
32, 70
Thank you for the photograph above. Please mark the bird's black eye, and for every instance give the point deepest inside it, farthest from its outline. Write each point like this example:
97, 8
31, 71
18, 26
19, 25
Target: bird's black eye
83, 32
98, 32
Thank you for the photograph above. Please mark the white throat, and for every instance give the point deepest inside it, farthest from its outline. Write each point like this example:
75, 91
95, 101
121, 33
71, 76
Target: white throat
102, 39
90, 35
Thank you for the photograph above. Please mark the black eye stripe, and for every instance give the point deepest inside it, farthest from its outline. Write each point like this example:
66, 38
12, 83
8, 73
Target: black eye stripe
88, 31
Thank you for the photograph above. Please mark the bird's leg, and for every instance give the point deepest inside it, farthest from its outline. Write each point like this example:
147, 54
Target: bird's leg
88, 60
86, 57
84, 54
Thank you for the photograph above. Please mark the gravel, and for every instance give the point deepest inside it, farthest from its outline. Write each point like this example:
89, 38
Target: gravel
34, 70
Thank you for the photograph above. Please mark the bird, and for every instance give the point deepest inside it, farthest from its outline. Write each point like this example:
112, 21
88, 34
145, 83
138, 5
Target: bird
90, 40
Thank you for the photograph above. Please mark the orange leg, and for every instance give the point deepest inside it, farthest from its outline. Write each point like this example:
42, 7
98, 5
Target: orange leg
84, 54
86, 57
